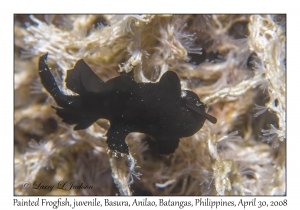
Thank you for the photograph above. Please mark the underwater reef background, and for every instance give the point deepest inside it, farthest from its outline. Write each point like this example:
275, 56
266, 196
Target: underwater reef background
236, 64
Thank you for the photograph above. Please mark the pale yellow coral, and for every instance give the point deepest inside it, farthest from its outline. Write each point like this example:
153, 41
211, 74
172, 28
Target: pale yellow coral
235, 63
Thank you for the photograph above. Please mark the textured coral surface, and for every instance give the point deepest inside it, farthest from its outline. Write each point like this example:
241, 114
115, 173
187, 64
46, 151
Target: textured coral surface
235, 63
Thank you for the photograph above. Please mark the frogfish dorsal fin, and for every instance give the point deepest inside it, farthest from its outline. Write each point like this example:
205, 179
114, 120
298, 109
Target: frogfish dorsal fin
82, 79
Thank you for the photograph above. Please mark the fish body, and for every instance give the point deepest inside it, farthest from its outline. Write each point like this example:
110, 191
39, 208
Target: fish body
156, 109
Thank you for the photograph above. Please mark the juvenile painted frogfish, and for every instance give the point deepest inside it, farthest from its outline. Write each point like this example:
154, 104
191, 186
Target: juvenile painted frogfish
156, 109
